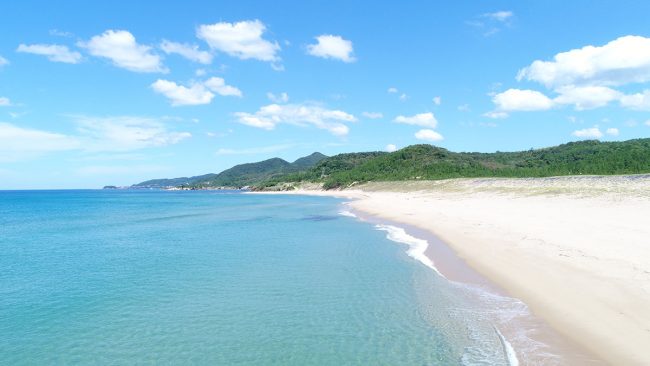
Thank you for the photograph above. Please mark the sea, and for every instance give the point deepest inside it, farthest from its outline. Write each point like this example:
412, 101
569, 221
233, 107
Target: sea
132, 277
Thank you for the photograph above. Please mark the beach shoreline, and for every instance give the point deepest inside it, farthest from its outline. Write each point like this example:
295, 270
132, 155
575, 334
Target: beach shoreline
571, 248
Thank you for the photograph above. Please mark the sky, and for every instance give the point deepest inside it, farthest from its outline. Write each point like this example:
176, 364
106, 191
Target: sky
114, 93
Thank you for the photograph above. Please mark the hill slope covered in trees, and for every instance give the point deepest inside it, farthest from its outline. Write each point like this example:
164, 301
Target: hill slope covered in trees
430, 162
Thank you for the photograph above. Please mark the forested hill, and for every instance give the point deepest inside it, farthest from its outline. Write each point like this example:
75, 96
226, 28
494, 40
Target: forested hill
430, 162
239, 175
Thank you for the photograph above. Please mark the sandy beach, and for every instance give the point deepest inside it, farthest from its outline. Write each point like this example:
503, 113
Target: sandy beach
576, 250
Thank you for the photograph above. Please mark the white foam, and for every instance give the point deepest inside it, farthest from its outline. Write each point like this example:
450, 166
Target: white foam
508, 350
417, 247
347, 213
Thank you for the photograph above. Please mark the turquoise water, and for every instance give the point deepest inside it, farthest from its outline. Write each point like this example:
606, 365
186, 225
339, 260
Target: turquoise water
220, 278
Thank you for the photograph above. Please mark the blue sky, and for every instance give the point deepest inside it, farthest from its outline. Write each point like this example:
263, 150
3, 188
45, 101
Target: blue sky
117, 93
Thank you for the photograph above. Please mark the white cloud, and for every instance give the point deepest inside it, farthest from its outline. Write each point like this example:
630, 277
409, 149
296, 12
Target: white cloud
372, 115
60, 33
588, 133
269, 116
330, 46
638, 101
492, 23
125, 133
428, 135
586, 97
200, 72
53, 52
18, 143
391, 148
3, 61
496, 115
612, 131
584, 77
280, 98
242, 39
521, 100
94, 134
121, 47
647, 123
180, 95
218, 85
422, 119
392, 90
196, 93
190, 52
621, 61
500, 16
403, 97
437, 100
4, 102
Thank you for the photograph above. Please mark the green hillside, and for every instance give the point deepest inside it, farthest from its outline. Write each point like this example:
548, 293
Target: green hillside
430, 162
171, 182
239, 175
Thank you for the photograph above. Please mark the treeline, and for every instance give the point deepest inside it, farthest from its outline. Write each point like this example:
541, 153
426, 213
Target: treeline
430, 162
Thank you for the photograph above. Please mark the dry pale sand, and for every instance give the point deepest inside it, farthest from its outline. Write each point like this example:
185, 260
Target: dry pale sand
575, 249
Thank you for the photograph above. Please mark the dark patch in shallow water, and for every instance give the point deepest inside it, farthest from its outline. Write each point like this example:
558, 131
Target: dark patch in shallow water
319, 218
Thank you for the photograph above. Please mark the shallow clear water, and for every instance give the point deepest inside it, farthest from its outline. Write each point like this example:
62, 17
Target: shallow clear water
129, 277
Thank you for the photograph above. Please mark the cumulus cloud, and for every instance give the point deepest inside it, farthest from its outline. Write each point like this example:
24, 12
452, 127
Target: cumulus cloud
121, 48
422, 119
521, 100
180, 95
4, 102
3, 61
392, 90
612, 131
330, 46
280, 98
586, 97
269, 116
53, 52
390, 148
218, 85
196, 93
622, 61
372, 115
585, 77
190, 52
242, 40
428, 135
637, 101
437, 100
588, 133
518, 100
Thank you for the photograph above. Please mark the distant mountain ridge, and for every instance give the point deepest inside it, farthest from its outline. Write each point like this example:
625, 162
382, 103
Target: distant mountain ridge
239, 175
417, 162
